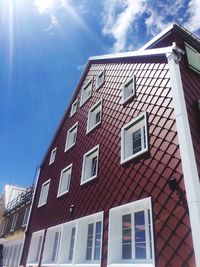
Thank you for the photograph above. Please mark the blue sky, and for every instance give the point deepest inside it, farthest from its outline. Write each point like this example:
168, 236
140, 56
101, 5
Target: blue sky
44, 45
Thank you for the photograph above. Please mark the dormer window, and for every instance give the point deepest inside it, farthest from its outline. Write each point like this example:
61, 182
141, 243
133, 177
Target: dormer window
134, 140
52, 156
44, 193
94, 116
65, 177
90, 165
193, 57
74, 107
86, 92
100, 79
128, 89
71, 136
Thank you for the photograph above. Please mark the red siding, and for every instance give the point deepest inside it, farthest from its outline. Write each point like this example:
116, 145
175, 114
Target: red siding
116, 184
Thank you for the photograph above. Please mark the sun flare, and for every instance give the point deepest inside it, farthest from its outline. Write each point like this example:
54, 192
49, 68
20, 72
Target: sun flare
44, 5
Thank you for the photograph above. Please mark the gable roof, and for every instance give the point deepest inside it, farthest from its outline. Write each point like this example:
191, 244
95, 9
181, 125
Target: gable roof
145, 51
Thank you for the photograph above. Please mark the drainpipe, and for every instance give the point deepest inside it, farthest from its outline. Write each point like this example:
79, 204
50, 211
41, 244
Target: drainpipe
190, 173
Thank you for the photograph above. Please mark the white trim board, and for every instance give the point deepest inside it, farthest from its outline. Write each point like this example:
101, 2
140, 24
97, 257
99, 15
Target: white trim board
190, 173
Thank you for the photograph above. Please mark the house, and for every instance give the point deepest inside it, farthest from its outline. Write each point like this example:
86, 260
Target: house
9, 193
15, 216
119, 184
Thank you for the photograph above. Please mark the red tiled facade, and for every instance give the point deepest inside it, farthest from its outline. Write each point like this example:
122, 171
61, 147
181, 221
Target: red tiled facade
145, 176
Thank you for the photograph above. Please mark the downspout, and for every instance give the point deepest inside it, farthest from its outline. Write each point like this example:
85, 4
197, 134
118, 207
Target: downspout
190, 173
31, 206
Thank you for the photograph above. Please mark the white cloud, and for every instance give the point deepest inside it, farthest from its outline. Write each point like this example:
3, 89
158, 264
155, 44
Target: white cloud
52, 9
193, 23
119, 15
121, 18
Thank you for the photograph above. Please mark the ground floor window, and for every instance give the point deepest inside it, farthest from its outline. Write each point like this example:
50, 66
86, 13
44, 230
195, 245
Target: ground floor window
131, 234
74, 242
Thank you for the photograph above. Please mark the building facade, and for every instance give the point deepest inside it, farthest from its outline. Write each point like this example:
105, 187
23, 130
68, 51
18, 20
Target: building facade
119, 184
15, 217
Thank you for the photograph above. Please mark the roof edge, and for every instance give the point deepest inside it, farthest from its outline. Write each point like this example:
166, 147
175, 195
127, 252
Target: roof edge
138, 53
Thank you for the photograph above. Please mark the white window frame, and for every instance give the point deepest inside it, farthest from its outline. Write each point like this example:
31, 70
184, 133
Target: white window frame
52, 156
87, 164
74, 107
14, 222
26, 215
193, 57
91, 123
115, 235
70, 137
84, 89
40, 204
79, 243
49, 245
35, 248
98, 85
68, 168
126, 132
124, 88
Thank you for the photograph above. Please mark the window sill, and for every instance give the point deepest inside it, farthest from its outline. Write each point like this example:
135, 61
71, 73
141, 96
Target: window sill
62, 194
69, 264
92, 128
68, 148
128, 99
124, 160
88, 180
132, 264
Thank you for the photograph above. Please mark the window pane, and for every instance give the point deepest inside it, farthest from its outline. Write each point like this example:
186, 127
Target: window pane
136, 141
126, 237
98, 116
89, 241
71, 249
97, 241
127, 251
55, 246
94, 166
89, 254
140, 235
38, 249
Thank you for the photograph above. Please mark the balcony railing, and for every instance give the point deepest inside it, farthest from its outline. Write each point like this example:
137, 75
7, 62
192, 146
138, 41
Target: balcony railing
21, 199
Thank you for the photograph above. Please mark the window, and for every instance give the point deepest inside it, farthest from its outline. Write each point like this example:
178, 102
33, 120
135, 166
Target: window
94, 116
74, 107
128, 89
71, 247
94, 241
52, 245
134, 138
44, 193
100, 79
35, 247
90, 165
71, 136
131, 234
75, 242
52, 156
14, 222
4, 227
64, 183
193, 58
86, 92
26, 214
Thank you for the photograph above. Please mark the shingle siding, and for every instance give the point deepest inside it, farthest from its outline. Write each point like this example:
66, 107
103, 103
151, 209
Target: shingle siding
139, 178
